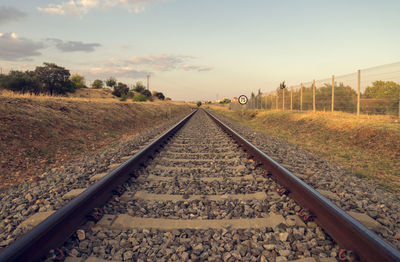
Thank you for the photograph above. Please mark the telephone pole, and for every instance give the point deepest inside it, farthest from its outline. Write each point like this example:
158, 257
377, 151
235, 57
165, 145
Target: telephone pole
148, 82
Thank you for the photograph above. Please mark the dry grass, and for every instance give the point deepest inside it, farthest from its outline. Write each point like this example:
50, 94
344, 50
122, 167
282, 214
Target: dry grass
368, 147
37, 133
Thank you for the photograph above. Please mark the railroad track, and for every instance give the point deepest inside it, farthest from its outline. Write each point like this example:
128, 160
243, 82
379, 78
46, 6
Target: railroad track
199, 197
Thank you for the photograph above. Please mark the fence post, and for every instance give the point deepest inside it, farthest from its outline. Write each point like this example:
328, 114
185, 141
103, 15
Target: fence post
291, 98
283, 99
301, 97
333, 93
313, 95
358, 92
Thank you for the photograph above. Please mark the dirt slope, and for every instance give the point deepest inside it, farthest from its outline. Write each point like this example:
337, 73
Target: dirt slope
39, 133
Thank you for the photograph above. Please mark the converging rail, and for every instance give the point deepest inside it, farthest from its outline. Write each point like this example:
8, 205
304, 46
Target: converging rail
346, 231
57, 228
53, 231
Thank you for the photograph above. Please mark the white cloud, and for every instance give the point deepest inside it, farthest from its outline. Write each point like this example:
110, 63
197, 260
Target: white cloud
70, 8
82, 7
15, 48
8, 14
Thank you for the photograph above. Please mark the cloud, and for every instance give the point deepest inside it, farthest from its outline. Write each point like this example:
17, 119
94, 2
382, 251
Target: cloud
105, 72
15, 48
197, 68
8, 14
82, 7
73, 46
161, 62
70, 8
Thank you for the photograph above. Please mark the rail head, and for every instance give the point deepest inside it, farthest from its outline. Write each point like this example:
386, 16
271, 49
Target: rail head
54, 230
344, 229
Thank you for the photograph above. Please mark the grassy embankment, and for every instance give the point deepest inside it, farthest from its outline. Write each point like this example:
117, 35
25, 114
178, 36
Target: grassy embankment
38, 133
368, 147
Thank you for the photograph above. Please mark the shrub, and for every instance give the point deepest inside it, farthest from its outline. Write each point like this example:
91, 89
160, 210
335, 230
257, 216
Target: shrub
120, 89
146, 93
159, 95
111, 82
97, 84
139, 87
139, 98
123, 97
78, 81
198, 104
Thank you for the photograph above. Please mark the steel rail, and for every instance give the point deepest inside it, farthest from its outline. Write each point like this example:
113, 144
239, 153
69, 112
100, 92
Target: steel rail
53, 231
344, 229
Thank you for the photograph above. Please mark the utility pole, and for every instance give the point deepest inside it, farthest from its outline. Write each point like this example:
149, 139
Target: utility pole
333, 93
148, 82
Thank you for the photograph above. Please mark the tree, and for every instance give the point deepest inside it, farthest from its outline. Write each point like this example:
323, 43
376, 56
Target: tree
97, 84
22, 82
383, 89
139, 87
198, 103
54, 79
120, 89
225, 101
78, 81
384, 97
111, 82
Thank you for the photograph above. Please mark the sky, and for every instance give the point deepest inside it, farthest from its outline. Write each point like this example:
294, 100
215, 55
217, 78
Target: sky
201, 50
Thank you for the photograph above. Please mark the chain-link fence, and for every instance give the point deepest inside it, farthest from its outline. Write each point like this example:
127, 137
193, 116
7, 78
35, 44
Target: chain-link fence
369, 91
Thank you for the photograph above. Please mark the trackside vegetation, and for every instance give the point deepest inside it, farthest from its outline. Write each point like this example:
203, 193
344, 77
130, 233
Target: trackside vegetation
53, 80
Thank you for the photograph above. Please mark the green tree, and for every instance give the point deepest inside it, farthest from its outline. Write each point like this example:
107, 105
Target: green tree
120, 89
198, 103
54, 79
97, 84
111, 82
21, 82
78, 81
383, 89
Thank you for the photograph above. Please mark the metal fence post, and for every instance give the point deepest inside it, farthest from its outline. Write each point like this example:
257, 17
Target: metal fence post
301, 97
291, 99
358, 92
313, 97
